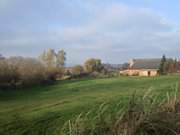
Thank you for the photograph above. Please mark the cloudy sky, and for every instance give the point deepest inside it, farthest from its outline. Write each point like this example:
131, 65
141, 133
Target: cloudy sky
112, 30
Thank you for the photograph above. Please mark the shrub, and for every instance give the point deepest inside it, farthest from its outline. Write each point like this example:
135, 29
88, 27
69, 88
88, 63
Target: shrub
77, 70
54, 73
5, 74
19, 71
92, 65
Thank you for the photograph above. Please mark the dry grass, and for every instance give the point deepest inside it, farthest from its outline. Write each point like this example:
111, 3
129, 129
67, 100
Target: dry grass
143, 116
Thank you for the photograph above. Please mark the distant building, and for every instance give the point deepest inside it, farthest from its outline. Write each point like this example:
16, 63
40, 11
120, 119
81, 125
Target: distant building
142, 67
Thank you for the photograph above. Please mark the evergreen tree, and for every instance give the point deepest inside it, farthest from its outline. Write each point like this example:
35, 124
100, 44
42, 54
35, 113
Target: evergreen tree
175, 65
163, 65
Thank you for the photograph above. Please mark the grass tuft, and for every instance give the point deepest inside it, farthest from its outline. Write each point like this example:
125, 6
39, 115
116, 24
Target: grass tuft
144, 115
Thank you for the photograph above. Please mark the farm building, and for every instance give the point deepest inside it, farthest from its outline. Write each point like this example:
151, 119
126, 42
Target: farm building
142, 67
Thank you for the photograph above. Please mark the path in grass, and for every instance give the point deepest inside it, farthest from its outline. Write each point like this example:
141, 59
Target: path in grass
43, 110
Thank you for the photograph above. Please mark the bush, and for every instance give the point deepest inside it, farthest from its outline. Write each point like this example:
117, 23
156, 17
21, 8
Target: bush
54, 73
77, 70
19, 71
5, 74
92, 65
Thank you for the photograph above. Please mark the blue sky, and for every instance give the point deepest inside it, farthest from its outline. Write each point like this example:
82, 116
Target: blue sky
112, 30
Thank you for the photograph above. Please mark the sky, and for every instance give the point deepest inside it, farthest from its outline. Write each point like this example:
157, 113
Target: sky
111, 30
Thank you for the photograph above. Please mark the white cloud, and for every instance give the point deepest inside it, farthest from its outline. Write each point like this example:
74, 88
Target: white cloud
118, 26
116, 31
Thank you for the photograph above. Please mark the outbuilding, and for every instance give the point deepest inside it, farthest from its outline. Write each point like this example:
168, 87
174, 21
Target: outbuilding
142, 67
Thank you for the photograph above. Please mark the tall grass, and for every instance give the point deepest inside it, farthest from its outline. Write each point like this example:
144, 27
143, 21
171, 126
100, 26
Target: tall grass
145, 115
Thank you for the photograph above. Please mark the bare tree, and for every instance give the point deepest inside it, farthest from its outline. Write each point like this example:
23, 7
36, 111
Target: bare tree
48, 58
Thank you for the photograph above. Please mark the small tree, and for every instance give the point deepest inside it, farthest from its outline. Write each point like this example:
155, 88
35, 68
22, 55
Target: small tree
43, 58
51, 58
61, 58
175, 65
163, 69
92, 65
48, 58
178, 65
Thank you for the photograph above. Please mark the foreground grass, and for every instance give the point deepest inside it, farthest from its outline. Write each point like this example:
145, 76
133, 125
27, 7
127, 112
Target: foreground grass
143, 115
45, 109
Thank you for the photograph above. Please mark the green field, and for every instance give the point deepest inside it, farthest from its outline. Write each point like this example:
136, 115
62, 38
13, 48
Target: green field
43, 110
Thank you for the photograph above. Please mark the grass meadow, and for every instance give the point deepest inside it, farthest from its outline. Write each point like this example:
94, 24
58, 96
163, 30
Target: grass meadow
43, 110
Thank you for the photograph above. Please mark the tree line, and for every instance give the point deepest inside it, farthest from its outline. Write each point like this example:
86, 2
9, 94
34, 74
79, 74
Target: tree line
169, 65
18, 71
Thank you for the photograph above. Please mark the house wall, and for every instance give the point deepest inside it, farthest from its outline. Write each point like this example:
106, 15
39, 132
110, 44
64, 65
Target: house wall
132, 72
143, 73
148, 72
154, 73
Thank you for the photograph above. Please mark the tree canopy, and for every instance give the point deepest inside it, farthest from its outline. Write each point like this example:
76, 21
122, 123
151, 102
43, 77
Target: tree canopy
92, 65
